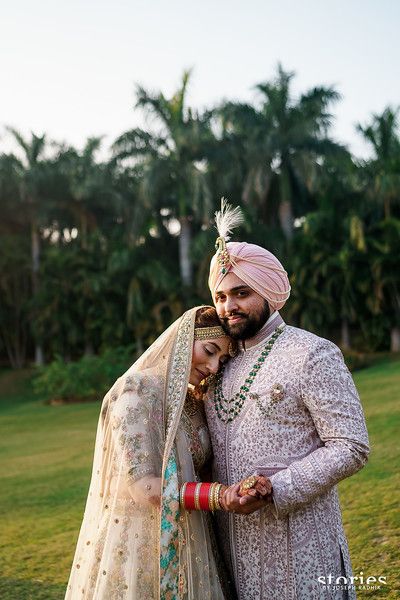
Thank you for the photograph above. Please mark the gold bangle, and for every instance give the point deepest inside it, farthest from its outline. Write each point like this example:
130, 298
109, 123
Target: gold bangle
216, 492
210, 490
212, 497
182, 496
212, 507
215, 496
218, 504
197, 496
215, 489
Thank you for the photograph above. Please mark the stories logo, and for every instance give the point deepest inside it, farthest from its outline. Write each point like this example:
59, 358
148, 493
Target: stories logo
360, 581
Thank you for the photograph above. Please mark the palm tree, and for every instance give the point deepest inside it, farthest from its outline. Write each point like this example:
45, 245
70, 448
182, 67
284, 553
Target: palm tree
282, 138
15, 268
92, 206
383, 170
32, 173
329, 258
384, 247
88, 204
173, 163
382, 181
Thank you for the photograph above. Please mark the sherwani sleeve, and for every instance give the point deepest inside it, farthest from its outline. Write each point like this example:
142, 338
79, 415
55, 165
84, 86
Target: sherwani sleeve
328, 391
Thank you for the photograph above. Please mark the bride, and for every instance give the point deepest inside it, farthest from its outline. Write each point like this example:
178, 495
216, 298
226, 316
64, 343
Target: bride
137, 541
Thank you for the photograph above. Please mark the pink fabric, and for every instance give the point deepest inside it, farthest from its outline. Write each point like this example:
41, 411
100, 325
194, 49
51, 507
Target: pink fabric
256, 267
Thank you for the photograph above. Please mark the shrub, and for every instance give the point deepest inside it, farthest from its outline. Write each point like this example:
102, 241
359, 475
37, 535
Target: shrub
360, 360
86, 379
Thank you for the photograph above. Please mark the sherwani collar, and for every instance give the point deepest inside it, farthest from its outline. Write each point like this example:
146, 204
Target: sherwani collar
265, 332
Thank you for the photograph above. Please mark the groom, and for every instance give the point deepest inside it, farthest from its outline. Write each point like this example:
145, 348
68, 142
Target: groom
285, 407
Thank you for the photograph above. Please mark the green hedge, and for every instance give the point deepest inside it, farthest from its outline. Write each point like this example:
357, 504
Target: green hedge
361, 360
86, 379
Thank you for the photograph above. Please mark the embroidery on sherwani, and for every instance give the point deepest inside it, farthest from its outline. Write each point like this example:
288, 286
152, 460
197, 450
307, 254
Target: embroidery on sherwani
169, 538
276, 394
228, 408
300, 447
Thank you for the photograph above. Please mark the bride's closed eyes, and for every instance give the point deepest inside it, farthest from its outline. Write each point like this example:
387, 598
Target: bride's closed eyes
211, 349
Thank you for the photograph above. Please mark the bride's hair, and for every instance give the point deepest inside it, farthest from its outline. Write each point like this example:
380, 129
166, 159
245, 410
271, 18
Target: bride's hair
206, 316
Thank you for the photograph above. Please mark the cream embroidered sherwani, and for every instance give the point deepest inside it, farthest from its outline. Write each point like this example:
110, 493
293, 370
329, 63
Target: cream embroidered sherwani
309, 439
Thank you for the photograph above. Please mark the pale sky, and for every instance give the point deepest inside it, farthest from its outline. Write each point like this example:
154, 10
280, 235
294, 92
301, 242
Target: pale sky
69, 68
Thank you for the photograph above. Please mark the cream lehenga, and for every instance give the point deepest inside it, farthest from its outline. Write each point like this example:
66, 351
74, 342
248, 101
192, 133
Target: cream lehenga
128, 548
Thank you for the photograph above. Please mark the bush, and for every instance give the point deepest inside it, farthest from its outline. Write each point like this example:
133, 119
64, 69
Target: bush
360, 360
86, 379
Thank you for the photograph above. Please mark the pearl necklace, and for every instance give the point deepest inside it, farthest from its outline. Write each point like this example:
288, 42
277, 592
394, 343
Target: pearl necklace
227, 410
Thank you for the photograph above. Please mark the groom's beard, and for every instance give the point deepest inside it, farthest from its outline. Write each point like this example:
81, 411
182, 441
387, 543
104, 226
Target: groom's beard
247, 328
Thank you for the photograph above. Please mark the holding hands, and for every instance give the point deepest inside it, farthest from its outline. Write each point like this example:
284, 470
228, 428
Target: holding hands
247, 496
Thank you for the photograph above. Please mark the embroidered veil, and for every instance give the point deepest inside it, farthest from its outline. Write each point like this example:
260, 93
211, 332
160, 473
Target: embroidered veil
130, 548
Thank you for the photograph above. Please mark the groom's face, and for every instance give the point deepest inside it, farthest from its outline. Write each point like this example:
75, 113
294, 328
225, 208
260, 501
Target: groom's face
241, 310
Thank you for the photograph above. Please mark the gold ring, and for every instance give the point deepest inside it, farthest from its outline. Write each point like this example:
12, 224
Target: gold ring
249, 482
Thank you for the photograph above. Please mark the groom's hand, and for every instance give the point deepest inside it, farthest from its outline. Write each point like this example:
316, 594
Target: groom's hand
243, 505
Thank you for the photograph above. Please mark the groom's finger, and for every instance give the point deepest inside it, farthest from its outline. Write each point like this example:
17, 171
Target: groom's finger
248, 500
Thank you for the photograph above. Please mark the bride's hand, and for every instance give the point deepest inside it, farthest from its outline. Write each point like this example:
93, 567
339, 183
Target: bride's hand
147, 490
250, 494
244, 505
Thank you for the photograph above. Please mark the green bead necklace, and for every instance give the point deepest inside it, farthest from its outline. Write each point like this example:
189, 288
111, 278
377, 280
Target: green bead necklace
227, 410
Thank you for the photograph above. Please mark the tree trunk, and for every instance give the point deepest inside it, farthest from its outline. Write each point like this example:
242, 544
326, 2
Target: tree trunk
345, 337
247, 188
15, 345
39, 358
83, 231
185, 262
286, 218
386, 204
395, 339
139, 346
89, 351
35, 250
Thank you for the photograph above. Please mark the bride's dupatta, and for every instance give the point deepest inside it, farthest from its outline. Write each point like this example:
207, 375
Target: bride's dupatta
129, 548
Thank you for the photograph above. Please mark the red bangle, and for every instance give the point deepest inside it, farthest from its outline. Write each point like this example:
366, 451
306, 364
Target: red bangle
203, 498
195, 496
188, 498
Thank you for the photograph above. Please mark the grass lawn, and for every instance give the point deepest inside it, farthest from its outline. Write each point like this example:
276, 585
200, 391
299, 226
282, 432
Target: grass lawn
46, 455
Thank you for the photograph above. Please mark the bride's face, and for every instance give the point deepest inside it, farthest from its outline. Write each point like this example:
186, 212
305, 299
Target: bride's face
208, 355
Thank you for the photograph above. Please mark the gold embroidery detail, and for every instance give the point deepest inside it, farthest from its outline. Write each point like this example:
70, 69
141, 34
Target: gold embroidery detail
209, 333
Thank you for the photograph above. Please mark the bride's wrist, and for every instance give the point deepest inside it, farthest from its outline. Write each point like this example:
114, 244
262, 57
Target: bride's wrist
194, 495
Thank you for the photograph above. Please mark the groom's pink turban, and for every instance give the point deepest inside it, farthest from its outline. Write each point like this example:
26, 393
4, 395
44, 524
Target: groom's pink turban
257, 268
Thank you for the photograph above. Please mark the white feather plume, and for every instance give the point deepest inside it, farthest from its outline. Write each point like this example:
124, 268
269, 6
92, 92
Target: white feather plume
227, 219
